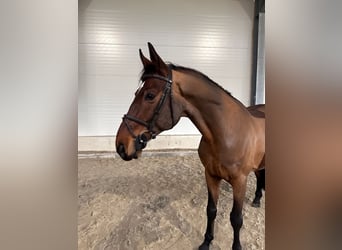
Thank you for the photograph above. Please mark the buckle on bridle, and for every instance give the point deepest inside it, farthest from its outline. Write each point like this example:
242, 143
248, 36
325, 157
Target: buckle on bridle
140, 142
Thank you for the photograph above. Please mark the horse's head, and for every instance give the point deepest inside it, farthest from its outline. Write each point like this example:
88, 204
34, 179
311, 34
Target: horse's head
153, 109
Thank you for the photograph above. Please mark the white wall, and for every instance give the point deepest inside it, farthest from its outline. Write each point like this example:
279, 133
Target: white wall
211, 36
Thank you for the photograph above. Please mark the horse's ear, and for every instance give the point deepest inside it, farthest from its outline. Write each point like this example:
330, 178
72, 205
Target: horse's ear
156, 59
144, 60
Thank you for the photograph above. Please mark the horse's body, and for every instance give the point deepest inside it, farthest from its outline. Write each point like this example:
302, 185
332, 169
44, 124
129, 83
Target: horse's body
233, 138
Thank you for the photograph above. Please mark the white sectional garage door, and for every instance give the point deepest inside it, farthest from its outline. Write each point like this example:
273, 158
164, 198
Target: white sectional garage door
211, 36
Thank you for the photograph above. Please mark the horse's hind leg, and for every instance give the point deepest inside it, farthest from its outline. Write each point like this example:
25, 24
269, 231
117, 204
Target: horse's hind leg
260, 176
236, 220
213, 193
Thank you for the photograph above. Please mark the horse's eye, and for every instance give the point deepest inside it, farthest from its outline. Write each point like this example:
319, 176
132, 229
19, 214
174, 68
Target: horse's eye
149, 96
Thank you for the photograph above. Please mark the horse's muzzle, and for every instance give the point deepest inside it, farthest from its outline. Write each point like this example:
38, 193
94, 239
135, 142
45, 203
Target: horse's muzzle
140, 143
121, 151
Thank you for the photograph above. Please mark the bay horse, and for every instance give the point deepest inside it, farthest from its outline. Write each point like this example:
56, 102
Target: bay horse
233, 137
259, 111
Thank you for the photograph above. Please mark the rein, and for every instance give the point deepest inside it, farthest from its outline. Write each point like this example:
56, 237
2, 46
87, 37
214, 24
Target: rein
141, 140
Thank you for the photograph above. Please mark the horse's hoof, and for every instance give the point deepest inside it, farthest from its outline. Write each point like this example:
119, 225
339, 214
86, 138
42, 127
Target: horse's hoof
256, 204
204, 246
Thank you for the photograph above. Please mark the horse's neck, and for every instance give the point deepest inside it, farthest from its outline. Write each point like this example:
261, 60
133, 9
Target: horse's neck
209, 107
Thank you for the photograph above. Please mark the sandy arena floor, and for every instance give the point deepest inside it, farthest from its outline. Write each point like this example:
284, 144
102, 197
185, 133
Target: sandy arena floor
157, 202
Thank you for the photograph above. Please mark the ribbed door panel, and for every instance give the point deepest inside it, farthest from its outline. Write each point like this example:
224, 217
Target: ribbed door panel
211, 36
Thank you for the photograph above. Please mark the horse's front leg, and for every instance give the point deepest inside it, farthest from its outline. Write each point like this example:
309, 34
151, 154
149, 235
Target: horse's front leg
236, 220
213, 185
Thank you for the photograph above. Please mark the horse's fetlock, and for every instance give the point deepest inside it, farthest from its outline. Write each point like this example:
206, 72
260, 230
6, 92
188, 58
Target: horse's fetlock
208, 238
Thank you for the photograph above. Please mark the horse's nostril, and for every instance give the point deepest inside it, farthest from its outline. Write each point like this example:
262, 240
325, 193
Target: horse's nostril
120, 149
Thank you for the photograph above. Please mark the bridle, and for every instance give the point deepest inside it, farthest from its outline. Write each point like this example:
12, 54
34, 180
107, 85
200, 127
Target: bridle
141, 140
